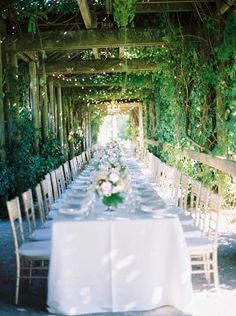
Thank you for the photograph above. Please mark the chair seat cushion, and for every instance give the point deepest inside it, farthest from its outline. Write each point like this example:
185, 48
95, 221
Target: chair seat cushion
191, 231
186, 219
52, 214
47, 224
199, 245
41, 234
38, 250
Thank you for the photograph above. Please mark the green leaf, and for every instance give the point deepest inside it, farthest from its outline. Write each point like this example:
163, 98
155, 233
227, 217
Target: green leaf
32, 24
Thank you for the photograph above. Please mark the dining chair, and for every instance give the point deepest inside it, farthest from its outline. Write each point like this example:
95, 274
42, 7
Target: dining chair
84, 158
203, 249
50, 191
67, 173
45, 223
73, 169
40, 203
184, 192
80, 163
47, 197
34, 233
175, 186
54, 185
31, 257
60, 180
200, 219
194, 199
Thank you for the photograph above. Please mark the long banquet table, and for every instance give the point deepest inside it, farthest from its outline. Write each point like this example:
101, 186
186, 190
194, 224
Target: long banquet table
118, 261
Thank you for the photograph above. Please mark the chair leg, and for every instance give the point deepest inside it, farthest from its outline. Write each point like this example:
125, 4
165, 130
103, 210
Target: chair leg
207, 268
215, 269
30, 271
17, 285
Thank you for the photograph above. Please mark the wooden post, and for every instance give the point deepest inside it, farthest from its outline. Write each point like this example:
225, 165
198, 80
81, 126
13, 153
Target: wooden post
65, 136
34, 92
141, 144
2, 116
70, 126
52, 123
44, 98
90, 131
60, 117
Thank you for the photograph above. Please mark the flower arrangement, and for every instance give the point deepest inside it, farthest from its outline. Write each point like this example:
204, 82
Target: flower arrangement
109, 185
111, 180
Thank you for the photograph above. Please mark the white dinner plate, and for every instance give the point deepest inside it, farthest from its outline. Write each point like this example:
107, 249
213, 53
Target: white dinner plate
72, 211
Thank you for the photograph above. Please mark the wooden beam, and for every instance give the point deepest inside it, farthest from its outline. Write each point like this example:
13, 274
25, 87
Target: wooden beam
151, 142
121, 52
83, 39
223, 164
2, 115
224, 6
172, 6
89, 19
109, 7
102, 66
96, 53
73, 84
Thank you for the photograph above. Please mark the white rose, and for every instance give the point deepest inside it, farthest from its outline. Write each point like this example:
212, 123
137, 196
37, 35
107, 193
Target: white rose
106, 188
114, 177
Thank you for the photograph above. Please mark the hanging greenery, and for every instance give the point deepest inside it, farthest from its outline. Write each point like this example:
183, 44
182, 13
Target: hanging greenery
124, 12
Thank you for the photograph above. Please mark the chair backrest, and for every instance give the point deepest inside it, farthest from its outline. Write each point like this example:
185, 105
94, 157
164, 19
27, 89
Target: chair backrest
151, 163
213, 216
168, 179
88, 154
175, 186
156, 169
194, 198
14, 213
46, 195
203, 208
161, 174
50, 192
60, 180
73, 169
28, 203
84, 158
40, 203
67, 173
79, 164
184, 191
54, 184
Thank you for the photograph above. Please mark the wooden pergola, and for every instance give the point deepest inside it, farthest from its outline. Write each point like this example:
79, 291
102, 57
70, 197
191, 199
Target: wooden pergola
58, 48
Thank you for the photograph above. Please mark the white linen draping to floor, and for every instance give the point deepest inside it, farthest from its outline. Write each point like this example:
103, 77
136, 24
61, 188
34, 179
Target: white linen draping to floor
117, 262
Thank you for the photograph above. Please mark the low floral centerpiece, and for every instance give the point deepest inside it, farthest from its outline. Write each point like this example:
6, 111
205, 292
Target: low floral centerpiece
109, 185
111, 180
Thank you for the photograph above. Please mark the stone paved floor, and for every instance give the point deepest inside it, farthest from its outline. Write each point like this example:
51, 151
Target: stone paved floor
205, 301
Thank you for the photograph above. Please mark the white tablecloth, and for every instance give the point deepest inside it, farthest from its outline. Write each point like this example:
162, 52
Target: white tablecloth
128, 262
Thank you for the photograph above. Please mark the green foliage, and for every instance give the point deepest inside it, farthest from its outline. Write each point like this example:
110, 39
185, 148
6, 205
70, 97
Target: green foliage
76, 138
124, 12
113, 200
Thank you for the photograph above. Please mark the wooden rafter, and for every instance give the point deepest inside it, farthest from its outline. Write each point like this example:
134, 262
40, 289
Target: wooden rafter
102, 66
74, 84
224, 6
109, 6
164, 7
89, 19
87, 39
